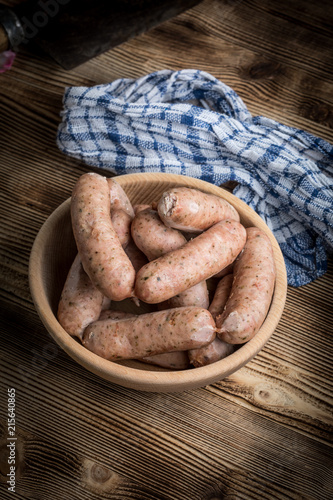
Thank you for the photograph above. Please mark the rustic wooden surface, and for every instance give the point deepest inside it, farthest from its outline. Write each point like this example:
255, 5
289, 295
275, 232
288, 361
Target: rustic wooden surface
263, 433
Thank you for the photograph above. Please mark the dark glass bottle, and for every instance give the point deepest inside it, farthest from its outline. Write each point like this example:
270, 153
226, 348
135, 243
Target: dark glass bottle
74, 31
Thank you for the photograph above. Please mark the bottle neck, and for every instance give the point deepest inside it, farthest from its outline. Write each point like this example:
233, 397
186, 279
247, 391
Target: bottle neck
11, 30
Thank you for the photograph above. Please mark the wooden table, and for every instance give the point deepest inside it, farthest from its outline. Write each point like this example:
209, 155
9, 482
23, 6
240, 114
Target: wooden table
264, 432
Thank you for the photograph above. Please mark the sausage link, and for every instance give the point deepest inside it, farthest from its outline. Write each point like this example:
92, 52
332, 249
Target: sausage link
197, 296
115, 315
196, 261
102, 255
221, 295
152, 236
135, 255
217, 349
119, 199
121, 222
191, 210
210, 353
140, 207
224, 272
251, 292
155, 239
80, 302
177, 360
177, 329
122, 212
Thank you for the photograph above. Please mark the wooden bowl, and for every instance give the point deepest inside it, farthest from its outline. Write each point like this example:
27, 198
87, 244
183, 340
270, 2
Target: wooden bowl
52, 255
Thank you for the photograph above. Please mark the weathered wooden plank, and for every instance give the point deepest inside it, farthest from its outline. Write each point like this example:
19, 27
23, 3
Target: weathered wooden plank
92, 480
275, 384
188, 425
263, 433
267, 27
262, 80
192, 445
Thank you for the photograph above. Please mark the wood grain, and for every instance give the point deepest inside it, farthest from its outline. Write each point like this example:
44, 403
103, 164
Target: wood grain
263, 433
190, 437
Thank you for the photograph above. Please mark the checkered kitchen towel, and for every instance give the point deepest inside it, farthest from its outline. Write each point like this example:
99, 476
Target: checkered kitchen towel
188, 122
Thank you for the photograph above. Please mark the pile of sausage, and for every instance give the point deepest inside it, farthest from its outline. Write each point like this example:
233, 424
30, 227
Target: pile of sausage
163, 254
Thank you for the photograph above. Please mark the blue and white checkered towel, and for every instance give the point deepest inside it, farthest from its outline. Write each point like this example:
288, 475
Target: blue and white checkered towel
188, 122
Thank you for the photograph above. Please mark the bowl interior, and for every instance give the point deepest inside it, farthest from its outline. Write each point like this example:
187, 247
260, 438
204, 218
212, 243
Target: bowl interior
52, 255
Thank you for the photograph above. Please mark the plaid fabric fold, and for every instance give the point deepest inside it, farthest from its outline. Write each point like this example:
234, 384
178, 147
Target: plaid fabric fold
188, 122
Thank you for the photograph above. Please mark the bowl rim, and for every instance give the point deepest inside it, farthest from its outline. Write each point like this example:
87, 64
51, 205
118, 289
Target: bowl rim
148, 379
